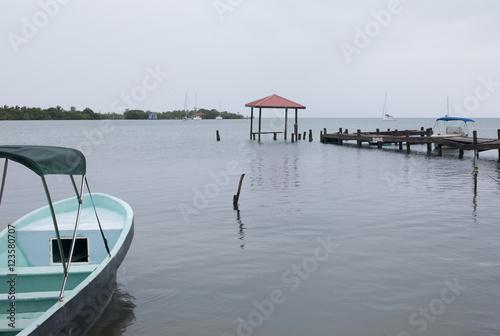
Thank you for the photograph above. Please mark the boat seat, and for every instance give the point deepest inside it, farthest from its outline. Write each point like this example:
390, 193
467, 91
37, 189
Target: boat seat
35, 296
22, 321
40, 270
454, 130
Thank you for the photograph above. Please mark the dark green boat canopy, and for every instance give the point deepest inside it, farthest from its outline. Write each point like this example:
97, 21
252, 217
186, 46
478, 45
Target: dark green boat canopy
47, 160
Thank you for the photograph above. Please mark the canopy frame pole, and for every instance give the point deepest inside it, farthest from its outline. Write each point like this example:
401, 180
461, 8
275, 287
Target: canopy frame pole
73, 241
4, 175
54, 220
97, 217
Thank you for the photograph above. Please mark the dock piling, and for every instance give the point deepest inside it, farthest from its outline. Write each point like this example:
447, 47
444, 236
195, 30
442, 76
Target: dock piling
498, 131
407, 134
474, 139
217, 135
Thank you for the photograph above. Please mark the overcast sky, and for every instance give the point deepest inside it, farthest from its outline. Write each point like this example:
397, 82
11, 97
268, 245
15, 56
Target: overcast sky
336, 57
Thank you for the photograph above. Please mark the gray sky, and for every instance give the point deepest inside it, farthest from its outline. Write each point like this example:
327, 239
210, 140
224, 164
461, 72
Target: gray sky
337, 57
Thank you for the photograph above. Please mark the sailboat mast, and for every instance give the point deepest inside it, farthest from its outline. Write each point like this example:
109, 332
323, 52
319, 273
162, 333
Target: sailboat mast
385, 106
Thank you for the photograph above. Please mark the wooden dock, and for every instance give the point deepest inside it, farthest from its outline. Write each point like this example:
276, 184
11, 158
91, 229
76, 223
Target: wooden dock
413, 137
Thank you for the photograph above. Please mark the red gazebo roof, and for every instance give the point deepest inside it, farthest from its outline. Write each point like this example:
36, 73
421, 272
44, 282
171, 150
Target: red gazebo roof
275, 101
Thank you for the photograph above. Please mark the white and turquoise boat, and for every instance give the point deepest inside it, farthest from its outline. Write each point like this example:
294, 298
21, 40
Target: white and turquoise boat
44, 291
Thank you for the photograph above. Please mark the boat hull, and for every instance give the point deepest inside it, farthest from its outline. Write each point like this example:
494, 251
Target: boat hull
76, 315
85, 298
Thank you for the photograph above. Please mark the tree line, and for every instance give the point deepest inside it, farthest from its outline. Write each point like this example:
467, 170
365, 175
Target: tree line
58, 113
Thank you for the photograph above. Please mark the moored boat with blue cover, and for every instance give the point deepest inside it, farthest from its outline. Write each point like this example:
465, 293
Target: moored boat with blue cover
44, 291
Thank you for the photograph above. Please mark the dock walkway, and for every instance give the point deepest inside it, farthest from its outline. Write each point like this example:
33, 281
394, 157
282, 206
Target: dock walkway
409, 137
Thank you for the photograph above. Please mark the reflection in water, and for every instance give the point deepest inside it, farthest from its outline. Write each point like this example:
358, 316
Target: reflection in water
117, 316
279, 174
474, 199
242, 228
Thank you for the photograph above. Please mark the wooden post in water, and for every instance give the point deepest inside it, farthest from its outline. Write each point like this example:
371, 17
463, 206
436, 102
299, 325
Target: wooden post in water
460, 153
407, 142
359, 138
304, 137
400, 145
299, 136
429, 145
340, 130
498, 131
217, 135
293, 137
440, 150
324, 130
474, 137
321, 136
237, 196
310, 135
274, 136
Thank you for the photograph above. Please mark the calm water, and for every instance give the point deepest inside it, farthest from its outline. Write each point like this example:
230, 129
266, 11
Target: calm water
328, 240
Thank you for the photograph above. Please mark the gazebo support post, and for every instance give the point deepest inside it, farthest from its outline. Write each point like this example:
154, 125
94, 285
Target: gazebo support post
286, 120
251, 123
296, 126
260, 123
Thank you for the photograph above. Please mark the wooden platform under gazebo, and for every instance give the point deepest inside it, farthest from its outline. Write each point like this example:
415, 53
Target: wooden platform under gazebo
273, 102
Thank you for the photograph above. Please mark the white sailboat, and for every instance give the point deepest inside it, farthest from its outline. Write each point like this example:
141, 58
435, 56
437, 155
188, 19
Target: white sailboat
196, 116
185, 108
385, 115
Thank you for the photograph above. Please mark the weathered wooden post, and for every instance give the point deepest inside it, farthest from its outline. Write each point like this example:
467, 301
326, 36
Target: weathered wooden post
321, 136
474, 137
293, 137
440, 150
304, 137
400, 145
461, 153
498, 131
407, 141
217, 135
358, 138
274, 136
378, 131
340, 130
237, 196
310, 135
429, 145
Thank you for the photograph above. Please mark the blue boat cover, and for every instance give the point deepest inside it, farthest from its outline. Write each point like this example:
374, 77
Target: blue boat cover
455, 118
47, 160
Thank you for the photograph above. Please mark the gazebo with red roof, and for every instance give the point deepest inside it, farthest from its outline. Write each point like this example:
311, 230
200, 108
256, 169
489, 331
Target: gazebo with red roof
274, 101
